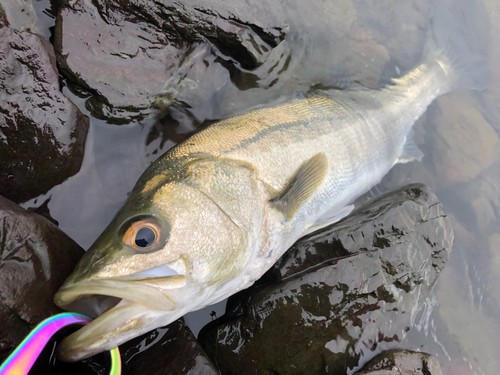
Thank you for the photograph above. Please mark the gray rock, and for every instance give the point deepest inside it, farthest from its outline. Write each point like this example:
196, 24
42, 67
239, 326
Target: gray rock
338, 293
402, 362
35, 259
42, 134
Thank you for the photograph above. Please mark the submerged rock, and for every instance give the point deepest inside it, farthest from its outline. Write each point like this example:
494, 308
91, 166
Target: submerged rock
338, 293
137, 57
172, 349
42, 134
35, 259
399, 26
464, 142
402, 362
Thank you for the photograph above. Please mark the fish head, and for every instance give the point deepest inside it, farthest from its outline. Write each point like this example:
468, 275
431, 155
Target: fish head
171, 249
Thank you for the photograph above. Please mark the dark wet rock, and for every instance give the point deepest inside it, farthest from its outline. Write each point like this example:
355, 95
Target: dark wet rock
172, 349
166, 350
402, 362
42, 134
336, 294
135, 57
245, 30
47, 362
36, 257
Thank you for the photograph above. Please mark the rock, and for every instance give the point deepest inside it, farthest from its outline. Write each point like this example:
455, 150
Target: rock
464, 143
494, 241
3, 17
402, 362
489, 40
36, 257
42, 134
172, 349
21, 16
477, 202
166, 350
399, 26
332, 44
245, 30
337, 293
482, 195
136, 57
469, 312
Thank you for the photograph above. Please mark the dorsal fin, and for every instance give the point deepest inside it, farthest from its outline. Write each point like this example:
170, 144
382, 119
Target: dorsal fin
302, 185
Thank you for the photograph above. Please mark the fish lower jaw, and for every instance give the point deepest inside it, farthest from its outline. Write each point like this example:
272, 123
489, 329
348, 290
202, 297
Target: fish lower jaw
121, 323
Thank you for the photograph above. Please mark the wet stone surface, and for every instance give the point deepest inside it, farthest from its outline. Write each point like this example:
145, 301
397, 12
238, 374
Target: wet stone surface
339, 292
137, 57
42, 134
22, 16
397, 362
35, 259
133, 59
172, 349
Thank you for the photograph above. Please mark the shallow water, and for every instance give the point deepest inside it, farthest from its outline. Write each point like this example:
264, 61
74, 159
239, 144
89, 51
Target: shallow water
328, 42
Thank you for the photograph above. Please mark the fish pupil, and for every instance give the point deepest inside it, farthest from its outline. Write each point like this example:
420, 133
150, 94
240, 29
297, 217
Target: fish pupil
145, 237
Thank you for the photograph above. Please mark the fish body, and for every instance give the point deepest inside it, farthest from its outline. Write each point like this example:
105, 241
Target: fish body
210, 216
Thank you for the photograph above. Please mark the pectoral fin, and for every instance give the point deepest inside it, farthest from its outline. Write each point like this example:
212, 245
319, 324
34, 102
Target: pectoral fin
303, 184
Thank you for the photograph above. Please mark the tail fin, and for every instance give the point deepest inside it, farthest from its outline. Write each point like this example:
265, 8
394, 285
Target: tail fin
463, 68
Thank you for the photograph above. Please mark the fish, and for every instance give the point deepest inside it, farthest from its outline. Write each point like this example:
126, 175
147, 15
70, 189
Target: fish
214, 213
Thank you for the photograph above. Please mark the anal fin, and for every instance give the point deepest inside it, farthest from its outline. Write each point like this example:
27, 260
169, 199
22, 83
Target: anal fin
303, 184
410, 152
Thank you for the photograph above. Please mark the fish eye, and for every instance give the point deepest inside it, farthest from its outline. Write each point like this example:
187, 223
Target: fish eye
144, 235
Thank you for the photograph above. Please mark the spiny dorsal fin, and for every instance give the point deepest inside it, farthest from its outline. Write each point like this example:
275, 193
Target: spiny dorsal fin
303, 184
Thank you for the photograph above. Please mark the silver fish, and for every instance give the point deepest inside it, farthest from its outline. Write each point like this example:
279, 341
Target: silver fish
210, 216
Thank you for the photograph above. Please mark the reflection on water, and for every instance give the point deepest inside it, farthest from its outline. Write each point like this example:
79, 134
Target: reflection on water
332, 44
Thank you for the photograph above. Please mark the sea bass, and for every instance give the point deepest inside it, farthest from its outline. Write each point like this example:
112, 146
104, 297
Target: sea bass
215, 212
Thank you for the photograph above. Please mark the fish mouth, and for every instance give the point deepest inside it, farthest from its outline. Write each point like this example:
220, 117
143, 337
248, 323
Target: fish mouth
124, 308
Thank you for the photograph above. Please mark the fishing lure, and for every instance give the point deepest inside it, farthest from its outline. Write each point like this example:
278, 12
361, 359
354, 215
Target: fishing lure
24, 356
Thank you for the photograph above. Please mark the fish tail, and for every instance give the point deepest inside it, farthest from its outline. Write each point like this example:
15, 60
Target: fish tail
462, 67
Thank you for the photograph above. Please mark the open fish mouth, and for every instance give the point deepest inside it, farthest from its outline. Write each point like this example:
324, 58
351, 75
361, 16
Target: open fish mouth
124, 308
119, 324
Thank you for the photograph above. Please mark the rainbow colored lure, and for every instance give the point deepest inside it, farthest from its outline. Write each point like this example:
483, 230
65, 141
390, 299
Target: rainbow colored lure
24, 356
